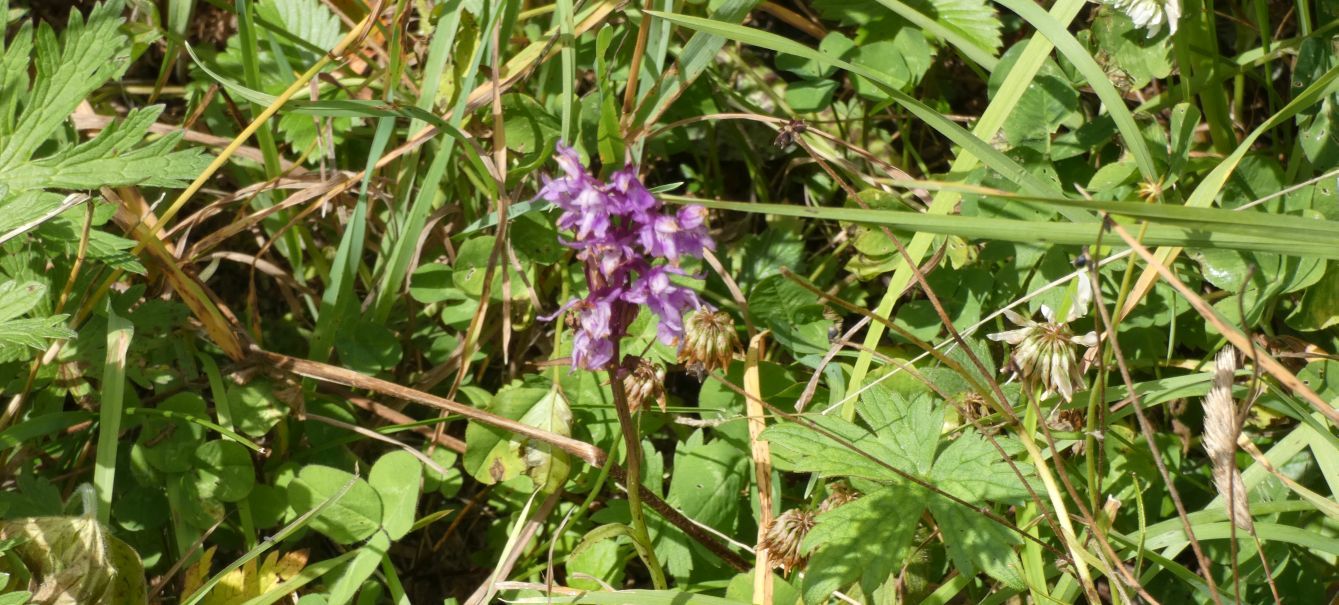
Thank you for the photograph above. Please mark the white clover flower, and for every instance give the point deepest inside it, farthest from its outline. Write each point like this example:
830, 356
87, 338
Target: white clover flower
1045, 352
1150, 14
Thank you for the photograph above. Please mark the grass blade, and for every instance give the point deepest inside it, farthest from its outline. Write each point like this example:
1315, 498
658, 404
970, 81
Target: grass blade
119, 333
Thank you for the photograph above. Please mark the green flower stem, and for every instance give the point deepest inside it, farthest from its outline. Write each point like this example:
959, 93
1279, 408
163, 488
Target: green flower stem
634, 477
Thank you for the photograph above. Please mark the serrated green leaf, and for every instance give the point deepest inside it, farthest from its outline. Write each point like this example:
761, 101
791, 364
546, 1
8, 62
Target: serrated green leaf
18, 298
976, 543
973, 470
798, 448
87, 54
864, 540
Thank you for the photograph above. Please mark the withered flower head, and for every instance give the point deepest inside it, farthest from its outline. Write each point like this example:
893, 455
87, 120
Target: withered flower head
644, 382
1045, 352
838, 494
784, 536
709, 342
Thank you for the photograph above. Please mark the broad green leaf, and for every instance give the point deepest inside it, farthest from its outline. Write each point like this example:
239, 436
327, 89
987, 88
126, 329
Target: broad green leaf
86, 54
865, 540
545, 464
792, 313
908, 426
973, 470
223, 470
494, 455
353, 517
600, 560
971, 26
19, 298
368, 347
169, 443
255, 409
396, 477
798, 448
1048, 101
111, 159
432, 283
1128, 50
307, 20
976, 543
1319, 308
471, 267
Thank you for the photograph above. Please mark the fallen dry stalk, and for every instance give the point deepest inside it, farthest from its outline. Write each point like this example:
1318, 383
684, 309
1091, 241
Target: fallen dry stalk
334, 374
586, 452
762, 466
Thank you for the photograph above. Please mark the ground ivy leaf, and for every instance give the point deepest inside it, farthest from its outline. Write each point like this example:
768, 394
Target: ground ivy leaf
866, 539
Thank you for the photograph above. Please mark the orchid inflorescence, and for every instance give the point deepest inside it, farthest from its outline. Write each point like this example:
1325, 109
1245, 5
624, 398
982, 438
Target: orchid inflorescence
630, 247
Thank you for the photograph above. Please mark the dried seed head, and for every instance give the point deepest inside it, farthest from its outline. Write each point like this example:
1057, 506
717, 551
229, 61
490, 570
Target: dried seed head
784, 536
838, 494
1220, 438
644, 382
709, 341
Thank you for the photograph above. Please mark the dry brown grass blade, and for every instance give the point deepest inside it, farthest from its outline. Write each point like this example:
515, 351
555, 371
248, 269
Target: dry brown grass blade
1231, 333
762, 467
588, 453
336, 375
391, 415
133, 215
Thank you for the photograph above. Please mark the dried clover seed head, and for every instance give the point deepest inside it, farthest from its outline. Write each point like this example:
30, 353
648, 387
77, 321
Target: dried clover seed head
644, 383
784, 536
709, 342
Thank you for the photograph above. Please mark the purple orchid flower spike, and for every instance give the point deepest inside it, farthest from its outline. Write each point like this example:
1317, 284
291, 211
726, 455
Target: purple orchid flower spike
630, 247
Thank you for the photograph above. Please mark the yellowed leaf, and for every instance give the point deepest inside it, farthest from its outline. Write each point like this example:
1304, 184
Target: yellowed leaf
195, 575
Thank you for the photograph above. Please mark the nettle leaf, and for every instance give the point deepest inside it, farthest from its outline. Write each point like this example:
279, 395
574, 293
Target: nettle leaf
866, 540
307, 20
976, 20
792, 314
